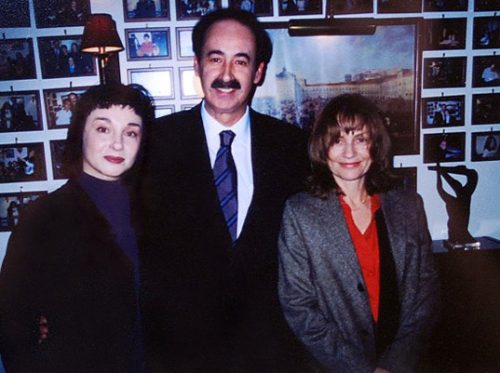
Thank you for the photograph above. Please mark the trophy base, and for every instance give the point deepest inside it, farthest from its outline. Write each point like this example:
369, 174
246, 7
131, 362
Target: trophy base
450, 245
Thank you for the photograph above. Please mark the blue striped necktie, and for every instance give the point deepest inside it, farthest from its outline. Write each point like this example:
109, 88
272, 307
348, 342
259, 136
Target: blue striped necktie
226, 182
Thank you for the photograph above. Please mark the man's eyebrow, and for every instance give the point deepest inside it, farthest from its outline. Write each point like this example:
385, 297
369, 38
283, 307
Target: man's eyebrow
220, 53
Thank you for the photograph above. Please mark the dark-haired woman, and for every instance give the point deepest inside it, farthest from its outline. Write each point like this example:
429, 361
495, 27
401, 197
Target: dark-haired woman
357, 282
69, 281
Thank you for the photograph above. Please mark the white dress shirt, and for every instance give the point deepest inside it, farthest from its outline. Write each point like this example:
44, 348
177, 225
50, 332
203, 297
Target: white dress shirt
241, 149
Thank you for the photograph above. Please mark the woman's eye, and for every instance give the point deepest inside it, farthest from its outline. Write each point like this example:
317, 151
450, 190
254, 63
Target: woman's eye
102, 129
131, 134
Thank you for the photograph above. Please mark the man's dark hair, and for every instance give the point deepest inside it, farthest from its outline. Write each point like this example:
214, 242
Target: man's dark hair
264, 46
103, 97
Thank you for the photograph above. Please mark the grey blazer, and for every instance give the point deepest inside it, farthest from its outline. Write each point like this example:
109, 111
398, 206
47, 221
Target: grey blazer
322, 290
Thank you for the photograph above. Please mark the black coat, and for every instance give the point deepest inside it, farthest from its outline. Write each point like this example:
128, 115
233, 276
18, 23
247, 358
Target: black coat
63, 264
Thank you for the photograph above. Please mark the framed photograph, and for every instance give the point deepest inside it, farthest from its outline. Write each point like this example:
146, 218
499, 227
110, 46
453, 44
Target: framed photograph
261, 8
162, 110
485, 146
61, 13
22, 162
190, 84
11, 205
485, 5
486, 71
159, 81
445, 33
444, 72
56, 155
184, 43
486, 108
193, 9
398, 6
148, 44
146, 10
486, 32
444, 147
60, 57
17, 60
445, 5
406, 178
20, 111
349, 7
443, 111
14, 13
59, 105
296, 90
300, 7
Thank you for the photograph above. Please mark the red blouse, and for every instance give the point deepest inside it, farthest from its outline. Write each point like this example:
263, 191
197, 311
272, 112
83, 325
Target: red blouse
367, 251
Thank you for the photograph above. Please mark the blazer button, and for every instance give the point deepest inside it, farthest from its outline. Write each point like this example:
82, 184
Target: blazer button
360, 287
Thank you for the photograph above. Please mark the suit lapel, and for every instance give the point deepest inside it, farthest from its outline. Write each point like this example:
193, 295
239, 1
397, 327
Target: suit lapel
393, 212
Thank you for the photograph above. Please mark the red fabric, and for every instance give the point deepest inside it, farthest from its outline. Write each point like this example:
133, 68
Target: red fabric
367, 251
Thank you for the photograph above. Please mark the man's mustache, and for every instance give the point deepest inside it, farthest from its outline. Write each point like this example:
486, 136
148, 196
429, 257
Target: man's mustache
232, 84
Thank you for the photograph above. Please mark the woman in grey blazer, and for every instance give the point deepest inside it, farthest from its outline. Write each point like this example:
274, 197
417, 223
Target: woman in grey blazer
357, 282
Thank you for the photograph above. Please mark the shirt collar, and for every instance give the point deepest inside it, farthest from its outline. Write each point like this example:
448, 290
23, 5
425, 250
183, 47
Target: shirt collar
212, 127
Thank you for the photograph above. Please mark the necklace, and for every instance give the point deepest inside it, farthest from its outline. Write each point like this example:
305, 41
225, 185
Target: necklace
363, 202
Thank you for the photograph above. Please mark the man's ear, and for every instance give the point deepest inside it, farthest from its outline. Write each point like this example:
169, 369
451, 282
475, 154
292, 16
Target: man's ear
196, 66
260, 74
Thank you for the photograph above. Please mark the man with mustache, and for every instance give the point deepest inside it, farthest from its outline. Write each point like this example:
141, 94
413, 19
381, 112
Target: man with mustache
217, 178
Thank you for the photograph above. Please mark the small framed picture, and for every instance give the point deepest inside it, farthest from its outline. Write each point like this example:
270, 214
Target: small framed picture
406, 178
20, 111
158, 81
486, 108
398, 6
14, 13
194, 9
444, 147
300, 7
60, 57
444, 72
486, 71
22, 162
485, 146
349, 7
148, 43
445, 5
261, 8
56, 155
486, 32
485, 5
17, 59
184, 43
443, 111
163, 110
446, 33
190, 84
146, 10
59, 105
11, 205
61, 13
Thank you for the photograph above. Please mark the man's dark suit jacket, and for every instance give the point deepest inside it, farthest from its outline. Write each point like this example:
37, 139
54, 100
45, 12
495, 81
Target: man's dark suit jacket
208, 306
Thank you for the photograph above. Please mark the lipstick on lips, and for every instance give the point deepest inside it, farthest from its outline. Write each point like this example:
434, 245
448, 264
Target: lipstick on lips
113, 159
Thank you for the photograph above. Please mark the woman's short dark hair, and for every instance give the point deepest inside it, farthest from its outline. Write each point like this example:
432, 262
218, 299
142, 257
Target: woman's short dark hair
103, 97
263, 44
345, 113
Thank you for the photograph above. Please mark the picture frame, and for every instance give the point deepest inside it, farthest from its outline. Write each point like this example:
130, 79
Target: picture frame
398, 6
17, 61
190, 84
444, 147
348, 7
444, 72
406, 178
145, 44
445, 33
485, 146
486, 71
22, 162
300, 7
485, 5
445, 5
296, 90
184, 43
159, 81
193, 9
60, 57
146, 10
261, 8
14, 13
187, 106
163, 110
443, 111
485, 108
20, 111
59, 105
56, 156
12, 204
61, 13
486, 32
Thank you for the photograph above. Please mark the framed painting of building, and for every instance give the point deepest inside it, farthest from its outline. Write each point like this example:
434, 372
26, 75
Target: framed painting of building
295, 89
